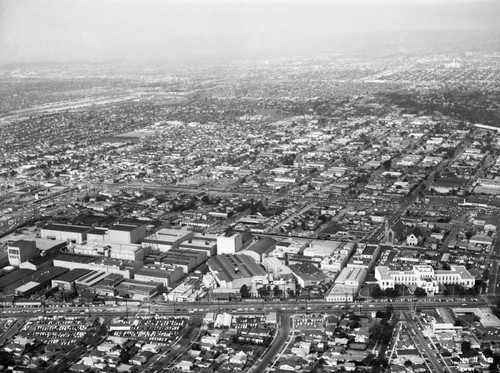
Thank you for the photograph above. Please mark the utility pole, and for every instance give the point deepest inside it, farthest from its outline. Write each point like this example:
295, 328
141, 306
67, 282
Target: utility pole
346, 305
126, 306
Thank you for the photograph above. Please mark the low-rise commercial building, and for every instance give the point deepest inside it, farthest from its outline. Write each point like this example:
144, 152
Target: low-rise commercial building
130, 252
67, 281
167, 275
21, 251
202, 243
184, 258
65, 232
139, 290
308, 274
166, 239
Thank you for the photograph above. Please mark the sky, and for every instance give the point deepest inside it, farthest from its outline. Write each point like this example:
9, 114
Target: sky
39, 31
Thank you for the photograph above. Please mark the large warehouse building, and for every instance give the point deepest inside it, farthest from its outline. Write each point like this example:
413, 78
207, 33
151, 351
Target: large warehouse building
234, 271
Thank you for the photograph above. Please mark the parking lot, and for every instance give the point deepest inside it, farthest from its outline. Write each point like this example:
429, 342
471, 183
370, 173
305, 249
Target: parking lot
56, 330
157, 329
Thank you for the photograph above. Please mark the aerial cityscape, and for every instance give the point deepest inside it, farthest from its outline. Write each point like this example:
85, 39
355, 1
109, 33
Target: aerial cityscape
311, 188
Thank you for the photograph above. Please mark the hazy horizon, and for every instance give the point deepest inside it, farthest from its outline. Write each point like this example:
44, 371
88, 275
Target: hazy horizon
36, 31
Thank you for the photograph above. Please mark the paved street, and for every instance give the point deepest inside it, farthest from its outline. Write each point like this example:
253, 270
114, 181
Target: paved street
276, 345
421, 344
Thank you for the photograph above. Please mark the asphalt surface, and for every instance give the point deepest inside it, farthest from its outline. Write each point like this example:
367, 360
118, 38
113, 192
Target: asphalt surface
276, 345
422, 345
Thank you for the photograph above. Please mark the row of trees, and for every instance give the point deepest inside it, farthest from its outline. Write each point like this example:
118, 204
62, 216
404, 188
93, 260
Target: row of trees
399, 290
266, 292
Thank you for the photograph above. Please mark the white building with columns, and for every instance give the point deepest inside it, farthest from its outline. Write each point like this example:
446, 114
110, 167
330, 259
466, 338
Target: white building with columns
424, 276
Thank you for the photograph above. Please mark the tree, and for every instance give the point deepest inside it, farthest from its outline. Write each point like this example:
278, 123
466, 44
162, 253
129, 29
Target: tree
245, 293
377, 291
288, 160
450, 152
381, 332
277, 291
469, 234
486, 274
388, 311
6, 358
465, 345
420, 292
263, 292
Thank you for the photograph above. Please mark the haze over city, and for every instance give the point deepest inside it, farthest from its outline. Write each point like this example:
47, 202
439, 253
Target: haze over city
155, 30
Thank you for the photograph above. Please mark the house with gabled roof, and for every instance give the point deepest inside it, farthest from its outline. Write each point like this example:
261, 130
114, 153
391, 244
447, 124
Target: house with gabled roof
415, 236
400, 233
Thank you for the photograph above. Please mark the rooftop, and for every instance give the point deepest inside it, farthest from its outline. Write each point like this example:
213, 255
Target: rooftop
67, 228
231, 267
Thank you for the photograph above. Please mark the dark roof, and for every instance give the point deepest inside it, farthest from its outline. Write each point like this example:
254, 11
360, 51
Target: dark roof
284, 243
263, 246
407, 352
153, 272
136, 222
308, 271
123, 227
46, 274
417, 232
186, 253
109, 281
399, 230
41, 259
176, 259
101, 231
42, 276
14, 276
493, 220
67, 228
370, 249
450, 182
72, 275
22, 244
75, 258
89, 219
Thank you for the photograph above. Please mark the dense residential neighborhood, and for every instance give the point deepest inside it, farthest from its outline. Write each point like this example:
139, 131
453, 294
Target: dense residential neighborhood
312, 212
